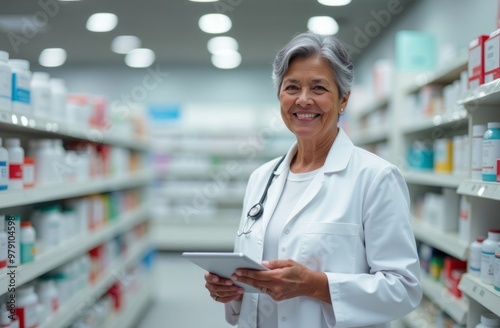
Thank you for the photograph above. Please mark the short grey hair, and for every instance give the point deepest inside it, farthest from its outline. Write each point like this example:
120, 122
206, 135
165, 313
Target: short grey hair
309, 44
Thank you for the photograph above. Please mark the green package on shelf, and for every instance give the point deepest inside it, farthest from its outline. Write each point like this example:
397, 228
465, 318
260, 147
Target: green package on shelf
415, 51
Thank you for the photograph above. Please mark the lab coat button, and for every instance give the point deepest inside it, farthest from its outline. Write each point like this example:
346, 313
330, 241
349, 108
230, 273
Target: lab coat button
283, 249
287, 231
283, 319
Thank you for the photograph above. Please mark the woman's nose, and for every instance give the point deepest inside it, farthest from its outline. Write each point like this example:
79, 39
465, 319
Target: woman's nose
304, 98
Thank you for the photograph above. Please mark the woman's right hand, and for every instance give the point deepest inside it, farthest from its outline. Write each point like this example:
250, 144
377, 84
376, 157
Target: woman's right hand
223, 290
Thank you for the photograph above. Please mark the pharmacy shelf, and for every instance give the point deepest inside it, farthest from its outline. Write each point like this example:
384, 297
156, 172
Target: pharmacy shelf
374, 106
487, 94
444, 75
76, 305
69, 190
56, 257
417, 319
135, 307
227, 196
205, 173
432, 179
481, 189
370, 137
448, 242
209, 235
25, 124
485, 294
456, 120
455, 307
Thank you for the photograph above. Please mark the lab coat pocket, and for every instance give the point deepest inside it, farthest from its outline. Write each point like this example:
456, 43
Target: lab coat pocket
330, 247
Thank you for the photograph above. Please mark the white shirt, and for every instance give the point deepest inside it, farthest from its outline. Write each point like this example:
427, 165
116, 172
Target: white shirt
294, 188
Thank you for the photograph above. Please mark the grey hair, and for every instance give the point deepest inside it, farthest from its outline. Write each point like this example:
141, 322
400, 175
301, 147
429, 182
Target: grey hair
309, 44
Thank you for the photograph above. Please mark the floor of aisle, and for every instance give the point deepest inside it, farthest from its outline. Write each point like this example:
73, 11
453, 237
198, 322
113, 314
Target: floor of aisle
180, 299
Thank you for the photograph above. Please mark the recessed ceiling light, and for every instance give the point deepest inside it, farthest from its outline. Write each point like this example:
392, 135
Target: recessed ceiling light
226, 59
215, 23
52, 57
334, 2
221, 43
125, 43
323, 25
139, 58
102, 22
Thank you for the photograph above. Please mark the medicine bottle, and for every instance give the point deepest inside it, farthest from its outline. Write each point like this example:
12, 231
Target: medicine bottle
5, 82
489, 320
478, 131
48, 295
496, 268
44, 159
26, 307
491, 151
475, 257
40, 94
3, 245
464, 218
29, 172
4, 167
21, 85
488, 255
16, 161
28, 239
58, 99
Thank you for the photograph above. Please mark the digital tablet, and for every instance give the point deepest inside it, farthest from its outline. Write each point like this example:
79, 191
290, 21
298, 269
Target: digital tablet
225, 264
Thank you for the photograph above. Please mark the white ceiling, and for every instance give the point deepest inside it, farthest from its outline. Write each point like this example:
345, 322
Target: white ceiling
170, 27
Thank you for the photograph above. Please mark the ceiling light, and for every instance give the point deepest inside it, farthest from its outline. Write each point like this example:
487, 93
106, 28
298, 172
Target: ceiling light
52, 57
102, 22
334, 2
221, 43
226, 59
125, 43
323, 25
139, 58
215, 23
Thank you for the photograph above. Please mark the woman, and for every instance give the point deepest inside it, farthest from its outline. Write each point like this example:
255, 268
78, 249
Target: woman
335, 232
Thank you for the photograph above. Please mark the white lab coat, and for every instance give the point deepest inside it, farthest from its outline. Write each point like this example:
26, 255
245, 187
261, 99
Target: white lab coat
353, 224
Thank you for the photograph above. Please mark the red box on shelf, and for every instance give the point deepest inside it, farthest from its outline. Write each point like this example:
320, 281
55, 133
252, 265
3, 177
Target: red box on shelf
476, 61
453, 270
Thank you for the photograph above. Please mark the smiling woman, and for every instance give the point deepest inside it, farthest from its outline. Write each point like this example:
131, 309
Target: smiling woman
340, 251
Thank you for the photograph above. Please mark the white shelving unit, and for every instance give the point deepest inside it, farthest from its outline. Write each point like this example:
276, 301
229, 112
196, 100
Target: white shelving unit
23, 127
68, 190
77, 304
482, 104
405, 129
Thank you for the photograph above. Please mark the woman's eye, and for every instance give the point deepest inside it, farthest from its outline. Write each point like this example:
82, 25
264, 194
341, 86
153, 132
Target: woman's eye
319, 88
291, 87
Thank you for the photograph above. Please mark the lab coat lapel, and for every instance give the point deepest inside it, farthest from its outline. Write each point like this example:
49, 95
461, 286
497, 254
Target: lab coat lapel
309, 194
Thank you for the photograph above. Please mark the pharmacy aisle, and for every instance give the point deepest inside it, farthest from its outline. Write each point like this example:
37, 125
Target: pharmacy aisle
180, 298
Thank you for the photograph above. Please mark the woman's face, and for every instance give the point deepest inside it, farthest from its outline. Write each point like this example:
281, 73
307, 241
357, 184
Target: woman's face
309, 99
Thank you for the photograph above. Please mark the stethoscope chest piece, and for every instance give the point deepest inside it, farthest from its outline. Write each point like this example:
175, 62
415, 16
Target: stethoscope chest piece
256, 211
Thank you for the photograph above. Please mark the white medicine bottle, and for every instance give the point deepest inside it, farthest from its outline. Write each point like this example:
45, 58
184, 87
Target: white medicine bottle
489, 320
58, 99
4, 168
5, 82
40, 94
3, 245
488, 255
26, 306
16, 162
21, 85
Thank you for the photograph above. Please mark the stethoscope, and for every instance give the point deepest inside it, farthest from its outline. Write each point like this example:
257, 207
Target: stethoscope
257, 210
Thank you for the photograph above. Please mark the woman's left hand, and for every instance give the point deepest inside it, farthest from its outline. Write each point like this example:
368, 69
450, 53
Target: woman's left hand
286, 279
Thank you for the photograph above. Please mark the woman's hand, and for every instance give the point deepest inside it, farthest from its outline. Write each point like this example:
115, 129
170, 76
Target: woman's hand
286, 279
223, 290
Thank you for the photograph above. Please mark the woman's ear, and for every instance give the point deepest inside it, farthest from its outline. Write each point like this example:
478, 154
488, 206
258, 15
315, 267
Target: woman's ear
345, 99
